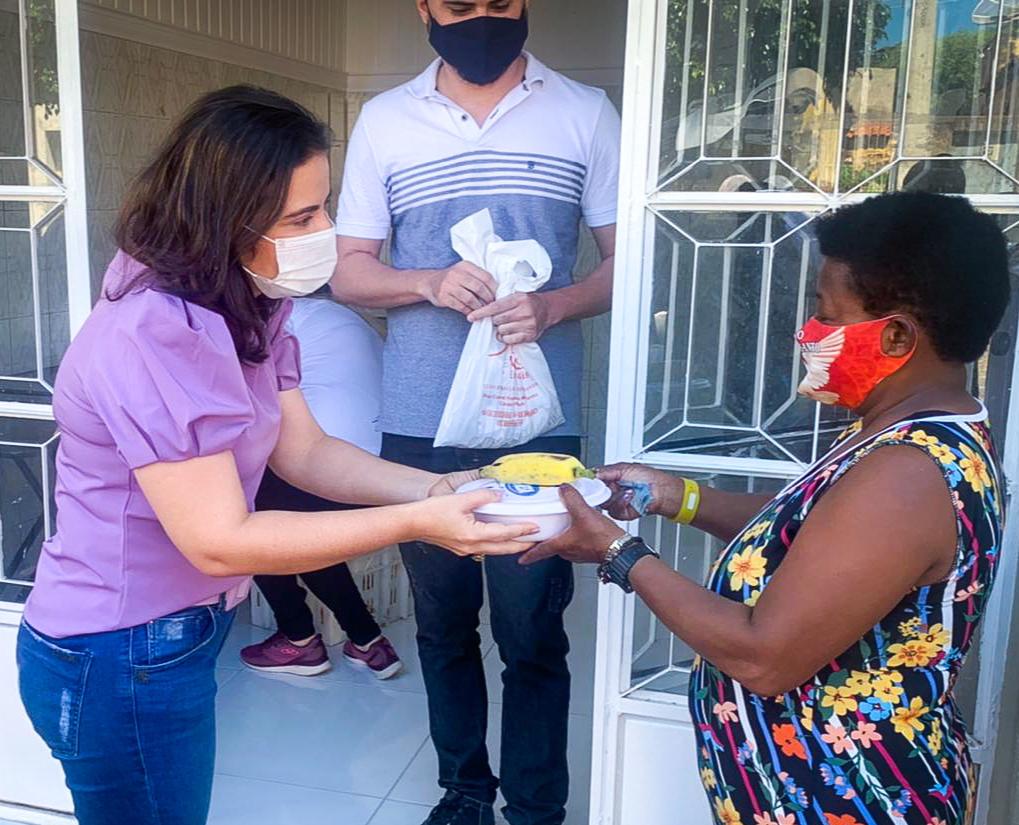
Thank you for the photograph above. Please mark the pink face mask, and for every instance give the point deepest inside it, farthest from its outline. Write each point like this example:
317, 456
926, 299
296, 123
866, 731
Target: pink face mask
845, 364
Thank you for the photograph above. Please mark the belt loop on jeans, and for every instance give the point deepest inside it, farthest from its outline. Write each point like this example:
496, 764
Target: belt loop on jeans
221, 604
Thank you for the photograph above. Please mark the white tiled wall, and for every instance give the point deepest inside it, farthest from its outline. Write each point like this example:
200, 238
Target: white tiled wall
302, 30
132, 94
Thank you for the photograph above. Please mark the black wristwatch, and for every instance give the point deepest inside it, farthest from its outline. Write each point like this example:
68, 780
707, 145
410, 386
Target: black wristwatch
623, 554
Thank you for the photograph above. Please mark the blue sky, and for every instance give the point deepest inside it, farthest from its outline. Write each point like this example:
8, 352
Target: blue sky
954, 15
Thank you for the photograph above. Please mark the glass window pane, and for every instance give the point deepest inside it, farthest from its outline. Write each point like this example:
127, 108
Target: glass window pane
34, 323
12, 117
31, 54
948, 57
661, 661
23, 172
44, 99
992, 378
27, 454
729, 292
770, 86
867, 139
55, 322
1003, 143
923, 101
701, 261
802, 94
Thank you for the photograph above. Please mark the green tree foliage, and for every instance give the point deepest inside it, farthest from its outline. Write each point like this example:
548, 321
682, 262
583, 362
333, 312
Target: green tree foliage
959, 58
814, 23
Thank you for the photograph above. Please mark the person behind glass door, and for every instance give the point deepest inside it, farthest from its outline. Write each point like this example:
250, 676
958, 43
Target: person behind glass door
341, 378
942, 175
485, 126
834, 626
180, 388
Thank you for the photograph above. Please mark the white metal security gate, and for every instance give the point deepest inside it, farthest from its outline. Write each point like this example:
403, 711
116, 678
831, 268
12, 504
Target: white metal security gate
744, 120
44, 298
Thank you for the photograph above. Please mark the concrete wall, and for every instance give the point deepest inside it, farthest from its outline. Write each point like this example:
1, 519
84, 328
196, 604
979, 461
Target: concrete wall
143, 63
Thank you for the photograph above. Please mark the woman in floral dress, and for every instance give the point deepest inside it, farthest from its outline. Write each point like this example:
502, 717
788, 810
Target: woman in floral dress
833, 627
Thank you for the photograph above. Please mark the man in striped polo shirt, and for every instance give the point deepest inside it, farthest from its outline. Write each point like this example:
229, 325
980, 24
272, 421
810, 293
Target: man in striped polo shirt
485, 126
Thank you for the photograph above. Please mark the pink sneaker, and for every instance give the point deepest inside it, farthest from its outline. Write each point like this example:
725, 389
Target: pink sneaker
278, 654
379, 658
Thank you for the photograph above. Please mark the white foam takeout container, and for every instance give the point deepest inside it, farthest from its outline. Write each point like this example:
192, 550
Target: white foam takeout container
540, 506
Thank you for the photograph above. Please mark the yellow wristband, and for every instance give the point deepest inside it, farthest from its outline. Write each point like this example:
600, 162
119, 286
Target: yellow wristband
691, 502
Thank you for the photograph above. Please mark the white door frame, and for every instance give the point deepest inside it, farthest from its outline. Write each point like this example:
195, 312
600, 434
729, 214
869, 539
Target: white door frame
45, 799
71, 192
614, 698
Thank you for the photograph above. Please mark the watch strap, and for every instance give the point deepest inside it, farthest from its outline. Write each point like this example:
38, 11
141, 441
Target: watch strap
622, 556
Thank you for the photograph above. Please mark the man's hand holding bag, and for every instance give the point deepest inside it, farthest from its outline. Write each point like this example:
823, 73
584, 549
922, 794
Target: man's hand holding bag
502, 395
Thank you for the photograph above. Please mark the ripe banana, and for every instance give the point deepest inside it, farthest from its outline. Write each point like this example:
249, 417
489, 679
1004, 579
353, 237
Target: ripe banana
541, 469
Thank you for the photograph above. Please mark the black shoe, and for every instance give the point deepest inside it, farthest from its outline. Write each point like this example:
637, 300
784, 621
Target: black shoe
457, 809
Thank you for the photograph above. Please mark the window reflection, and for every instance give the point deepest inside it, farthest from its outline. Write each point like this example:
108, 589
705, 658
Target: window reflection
27, 512
730, 290
872, 96
660, 661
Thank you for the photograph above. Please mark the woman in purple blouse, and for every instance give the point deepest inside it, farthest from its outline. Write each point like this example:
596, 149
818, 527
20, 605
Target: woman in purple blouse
179, 390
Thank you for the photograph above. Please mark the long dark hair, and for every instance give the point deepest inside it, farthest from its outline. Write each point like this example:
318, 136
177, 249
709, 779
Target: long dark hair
223, 171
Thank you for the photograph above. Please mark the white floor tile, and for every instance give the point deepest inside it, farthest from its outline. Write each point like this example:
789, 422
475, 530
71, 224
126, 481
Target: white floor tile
241, 635
250, 801
223, 675
318, 733
418, 784
352, 738
400, 813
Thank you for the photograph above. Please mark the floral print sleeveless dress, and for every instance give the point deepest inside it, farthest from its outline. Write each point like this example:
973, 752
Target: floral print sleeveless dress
875, 737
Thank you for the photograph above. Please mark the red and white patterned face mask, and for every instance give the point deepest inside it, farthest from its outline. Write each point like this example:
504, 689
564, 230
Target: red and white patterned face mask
844, 364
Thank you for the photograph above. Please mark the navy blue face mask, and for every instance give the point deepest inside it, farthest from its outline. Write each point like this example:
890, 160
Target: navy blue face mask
480, 49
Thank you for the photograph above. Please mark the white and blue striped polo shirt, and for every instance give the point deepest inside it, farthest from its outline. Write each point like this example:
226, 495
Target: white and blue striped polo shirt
547, 157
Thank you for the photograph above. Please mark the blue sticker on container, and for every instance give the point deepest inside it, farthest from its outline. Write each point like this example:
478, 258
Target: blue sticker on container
523, 489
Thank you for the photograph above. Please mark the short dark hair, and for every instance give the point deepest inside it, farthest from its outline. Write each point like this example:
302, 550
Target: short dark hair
933, 256
219, 181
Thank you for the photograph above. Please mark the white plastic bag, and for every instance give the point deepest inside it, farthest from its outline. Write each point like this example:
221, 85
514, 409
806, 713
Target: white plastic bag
502, 396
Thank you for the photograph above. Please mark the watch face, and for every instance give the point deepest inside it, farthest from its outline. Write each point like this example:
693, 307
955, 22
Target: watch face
617, 566
633, 544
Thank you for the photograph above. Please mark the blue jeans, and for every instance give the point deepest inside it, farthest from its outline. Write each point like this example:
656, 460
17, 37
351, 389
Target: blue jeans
527, 605
130, 714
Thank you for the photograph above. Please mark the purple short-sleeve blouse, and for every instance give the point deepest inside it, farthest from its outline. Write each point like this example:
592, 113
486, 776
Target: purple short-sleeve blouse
149, 378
